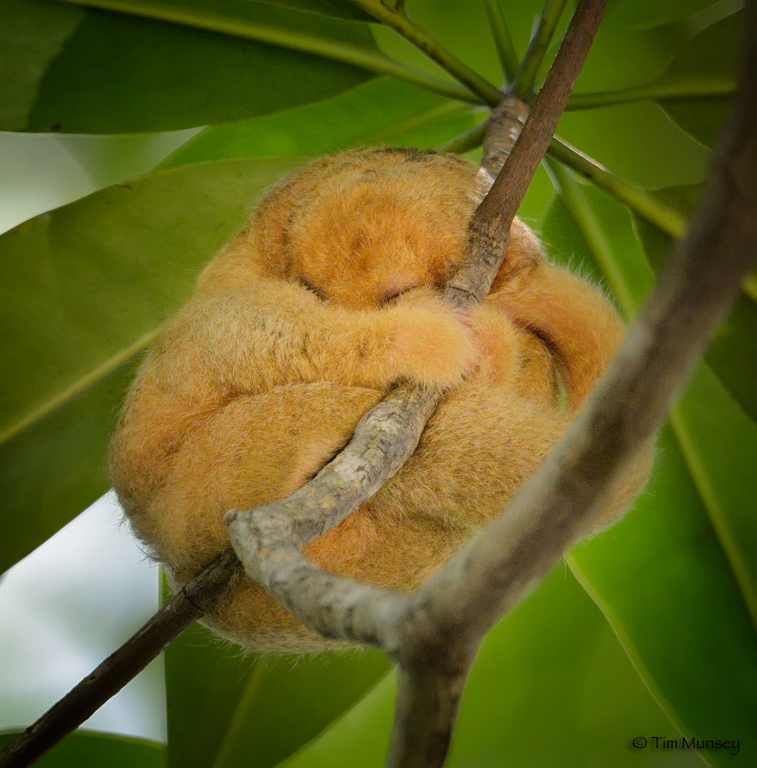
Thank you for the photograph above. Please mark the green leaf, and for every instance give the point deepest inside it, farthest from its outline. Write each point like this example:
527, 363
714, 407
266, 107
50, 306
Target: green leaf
92, 71
342, 9
706, 65
98, 750
703, 119
551, 687
718, 439
591, 231
289, 701
381, 111
719, 442
56, 465
83, 290
675, 580
662, 580
638, 14
205, 678
623, 58
224, 707
637, 142
732, 353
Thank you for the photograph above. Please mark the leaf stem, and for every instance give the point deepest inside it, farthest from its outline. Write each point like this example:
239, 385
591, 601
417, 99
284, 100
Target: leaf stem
337, 50
660, 91
525, 79
639, 200
465, 142
398, 20
508, 58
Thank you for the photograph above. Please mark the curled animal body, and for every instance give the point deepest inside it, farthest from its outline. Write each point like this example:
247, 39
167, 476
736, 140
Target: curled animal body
330, 293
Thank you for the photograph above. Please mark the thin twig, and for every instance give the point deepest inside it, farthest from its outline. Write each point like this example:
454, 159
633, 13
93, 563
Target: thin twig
400, 23
702, 88
646, 204
465, 142
197, 597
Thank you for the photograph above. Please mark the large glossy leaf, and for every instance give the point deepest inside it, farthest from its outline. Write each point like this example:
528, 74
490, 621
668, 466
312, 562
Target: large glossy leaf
381, 111
83, 290
663, 582
224, 706
205, 678
707, 64
98, 750
637, 142
732, 354
623, 58
716, 436
340, 8
702, 539
719, 442
75, 70
632, 14
551, 687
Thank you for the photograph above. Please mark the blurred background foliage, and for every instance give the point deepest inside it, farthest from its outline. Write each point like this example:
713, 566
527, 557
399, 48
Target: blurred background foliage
649, 630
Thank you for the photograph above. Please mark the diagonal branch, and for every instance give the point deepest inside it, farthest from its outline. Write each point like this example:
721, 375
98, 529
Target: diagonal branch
433, 665
123, 665
646, 204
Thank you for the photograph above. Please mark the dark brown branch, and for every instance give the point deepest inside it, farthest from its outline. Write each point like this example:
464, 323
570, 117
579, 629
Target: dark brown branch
123, 665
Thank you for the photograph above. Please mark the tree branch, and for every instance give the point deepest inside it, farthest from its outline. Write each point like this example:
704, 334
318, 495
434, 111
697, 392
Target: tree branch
197, 597
433, 663
693, 295
646, 204
396, 18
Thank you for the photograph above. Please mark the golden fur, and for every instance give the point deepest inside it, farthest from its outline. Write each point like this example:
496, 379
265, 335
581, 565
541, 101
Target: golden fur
327, 296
